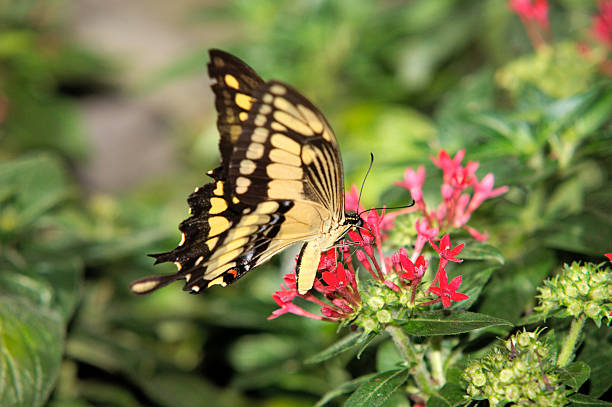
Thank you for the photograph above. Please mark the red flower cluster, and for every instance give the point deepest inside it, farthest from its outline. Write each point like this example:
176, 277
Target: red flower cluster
336, 292
338, 284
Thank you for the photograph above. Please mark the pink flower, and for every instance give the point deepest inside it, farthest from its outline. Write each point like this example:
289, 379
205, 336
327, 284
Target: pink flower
413, 181
531, 10
602, 23
424, 233
609, 256
351, 200
447, 291
448, 165
483, 190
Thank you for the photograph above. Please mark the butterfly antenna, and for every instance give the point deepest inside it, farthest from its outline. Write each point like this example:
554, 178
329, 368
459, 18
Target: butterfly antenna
388, 207
364, 179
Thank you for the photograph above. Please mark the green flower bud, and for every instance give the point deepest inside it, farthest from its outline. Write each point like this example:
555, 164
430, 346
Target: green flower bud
583, 287
383, 316
570, 290
512, 392
592, 310
506, 375
368, 324
598, 293
479, 379
574, 308
376, 303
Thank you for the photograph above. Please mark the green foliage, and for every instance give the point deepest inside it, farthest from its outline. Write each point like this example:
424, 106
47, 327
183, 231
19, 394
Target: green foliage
399, 79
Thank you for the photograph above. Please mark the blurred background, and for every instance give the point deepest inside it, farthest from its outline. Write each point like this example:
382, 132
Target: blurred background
107, 123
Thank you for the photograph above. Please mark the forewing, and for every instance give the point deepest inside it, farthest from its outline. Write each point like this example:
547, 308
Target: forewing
288, 151
280, 177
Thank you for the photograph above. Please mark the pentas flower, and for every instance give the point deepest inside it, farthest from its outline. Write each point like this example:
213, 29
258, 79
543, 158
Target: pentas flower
534, 16
457, 205
532, 10
602, 23
413, 181
447, 291
393, 283
446, 252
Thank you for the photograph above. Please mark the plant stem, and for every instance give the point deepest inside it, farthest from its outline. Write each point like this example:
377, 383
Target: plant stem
565, 356
409, 354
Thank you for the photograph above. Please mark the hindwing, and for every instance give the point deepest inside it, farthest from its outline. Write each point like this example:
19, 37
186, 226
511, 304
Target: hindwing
280, 181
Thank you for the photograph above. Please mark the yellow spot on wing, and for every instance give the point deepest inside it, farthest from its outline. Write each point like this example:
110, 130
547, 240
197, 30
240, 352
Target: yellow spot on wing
199, 260
235, 200
313, 120
243, 116
267, 207
247, 167
143, 286
211, 243
231, 81
219, 189
244, 101
281, 141
283, 104
293, 123
218, 225
182, 239
284, 189
278, 89
278, 127
284, 157
255, 151
236, 243
219, 281
218, 205
282, 171
260, 135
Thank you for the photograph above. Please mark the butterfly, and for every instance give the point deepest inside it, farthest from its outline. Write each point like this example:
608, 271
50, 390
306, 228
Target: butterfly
280, 182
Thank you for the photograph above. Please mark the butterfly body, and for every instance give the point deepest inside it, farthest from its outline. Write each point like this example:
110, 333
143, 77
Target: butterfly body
280, 182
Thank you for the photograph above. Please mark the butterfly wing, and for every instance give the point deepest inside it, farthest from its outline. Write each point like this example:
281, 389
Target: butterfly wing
279, 182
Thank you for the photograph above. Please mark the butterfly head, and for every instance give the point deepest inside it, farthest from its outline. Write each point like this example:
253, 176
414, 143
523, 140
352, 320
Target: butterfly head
353, 219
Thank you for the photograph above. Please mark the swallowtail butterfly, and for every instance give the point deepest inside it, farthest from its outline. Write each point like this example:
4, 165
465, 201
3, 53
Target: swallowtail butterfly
280, 182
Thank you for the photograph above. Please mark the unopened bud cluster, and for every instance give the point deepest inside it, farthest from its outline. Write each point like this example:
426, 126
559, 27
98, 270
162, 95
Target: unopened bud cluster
382, 305
578, 289
520, 372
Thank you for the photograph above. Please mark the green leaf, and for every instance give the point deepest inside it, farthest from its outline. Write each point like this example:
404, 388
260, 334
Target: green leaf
341, 346
446, 322
377, 389
37, 182
344, 388
450, 395
475, 250
31, 342
387, 357
597, 354
575, 374
256, 351
581, 400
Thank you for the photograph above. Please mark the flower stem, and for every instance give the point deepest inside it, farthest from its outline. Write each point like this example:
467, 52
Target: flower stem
408, 353
567, 350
